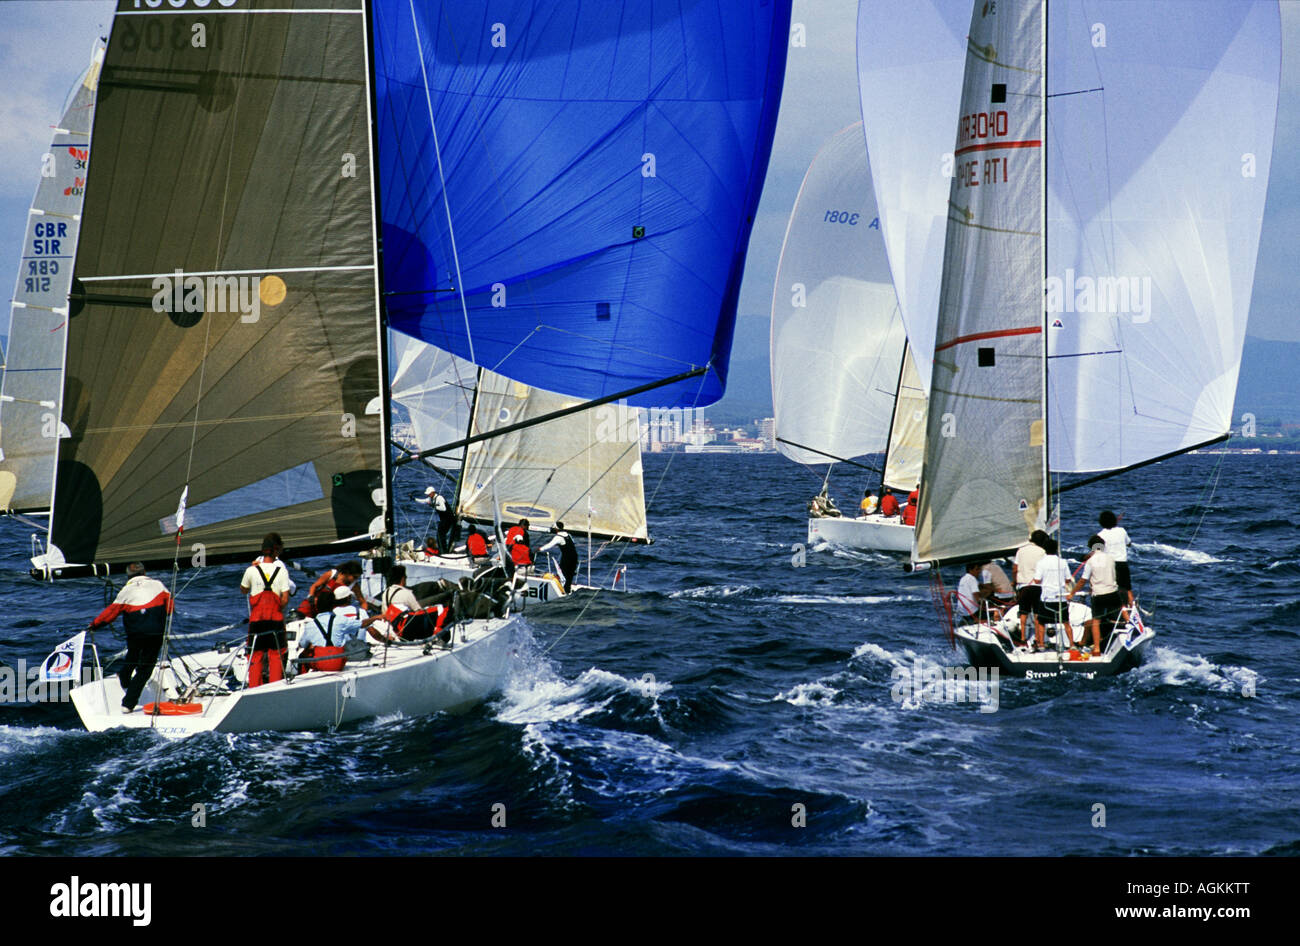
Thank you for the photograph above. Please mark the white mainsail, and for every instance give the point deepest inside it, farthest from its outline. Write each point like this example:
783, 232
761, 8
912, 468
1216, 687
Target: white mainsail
583, 469
837, 335
984, 479
32, 387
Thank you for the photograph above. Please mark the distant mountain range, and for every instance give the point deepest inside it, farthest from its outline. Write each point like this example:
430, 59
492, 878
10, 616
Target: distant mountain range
1269, 386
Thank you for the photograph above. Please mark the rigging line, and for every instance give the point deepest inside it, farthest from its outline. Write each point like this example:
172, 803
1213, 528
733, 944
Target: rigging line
623, 551
1207, 494
831, 456
446, 203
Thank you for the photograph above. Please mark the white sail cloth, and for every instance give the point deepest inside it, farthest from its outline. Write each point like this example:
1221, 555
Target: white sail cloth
436, 389
837, 335
583, 469
1153, 224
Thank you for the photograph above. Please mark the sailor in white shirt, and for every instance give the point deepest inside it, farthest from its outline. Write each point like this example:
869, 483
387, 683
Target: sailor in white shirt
1117, 543
1052, 575
967, 603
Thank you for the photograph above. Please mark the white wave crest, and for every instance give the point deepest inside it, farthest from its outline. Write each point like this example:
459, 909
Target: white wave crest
712, 591
1178, 669
1184, 555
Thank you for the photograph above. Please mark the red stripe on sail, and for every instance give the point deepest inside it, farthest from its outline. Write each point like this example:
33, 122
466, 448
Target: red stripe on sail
991, 145
980, 336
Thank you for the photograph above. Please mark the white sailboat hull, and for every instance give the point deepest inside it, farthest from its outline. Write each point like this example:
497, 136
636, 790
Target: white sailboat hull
401, 679
885, 534
989, 645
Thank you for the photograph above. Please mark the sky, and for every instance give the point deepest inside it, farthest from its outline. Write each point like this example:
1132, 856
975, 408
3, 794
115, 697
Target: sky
45, 45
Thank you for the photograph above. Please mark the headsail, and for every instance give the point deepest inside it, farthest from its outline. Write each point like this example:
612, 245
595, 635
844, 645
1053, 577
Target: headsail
911, 58
435, 389
837, 337
33, 373
985, 477
583, 470
243, 165
586, 182
906, 452
1153, 224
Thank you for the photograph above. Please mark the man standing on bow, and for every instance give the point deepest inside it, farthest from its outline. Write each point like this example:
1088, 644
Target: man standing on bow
143, 604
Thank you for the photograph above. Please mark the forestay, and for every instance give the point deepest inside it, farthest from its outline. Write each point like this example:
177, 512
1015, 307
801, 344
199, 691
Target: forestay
837, 336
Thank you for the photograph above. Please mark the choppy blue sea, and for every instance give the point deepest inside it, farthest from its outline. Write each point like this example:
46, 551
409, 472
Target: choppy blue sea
730, 696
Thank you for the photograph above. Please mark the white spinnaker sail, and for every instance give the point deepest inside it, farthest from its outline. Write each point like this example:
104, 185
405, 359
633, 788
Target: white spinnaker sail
1160, 132
983, 483
1153, 225
911, 57
906, 453
437, 391
837, 336
583, 470
33, 379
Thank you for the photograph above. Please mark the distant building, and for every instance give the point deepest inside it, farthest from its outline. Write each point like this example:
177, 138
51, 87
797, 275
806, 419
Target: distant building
767, 432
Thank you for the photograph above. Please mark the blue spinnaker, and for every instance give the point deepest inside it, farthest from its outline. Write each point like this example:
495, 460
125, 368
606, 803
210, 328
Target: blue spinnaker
602, 165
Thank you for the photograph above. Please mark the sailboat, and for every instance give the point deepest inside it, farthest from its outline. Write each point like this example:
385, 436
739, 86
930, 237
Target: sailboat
263, 207
33, 371
582, 469
843, 381
1097, 271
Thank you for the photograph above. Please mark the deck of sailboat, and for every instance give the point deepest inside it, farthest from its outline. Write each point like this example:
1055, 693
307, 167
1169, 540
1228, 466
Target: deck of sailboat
413, 679
989, 644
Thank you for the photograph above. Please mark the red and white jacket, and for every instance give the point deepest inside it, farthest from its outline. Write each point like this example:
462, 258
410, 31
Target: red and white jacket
143, 604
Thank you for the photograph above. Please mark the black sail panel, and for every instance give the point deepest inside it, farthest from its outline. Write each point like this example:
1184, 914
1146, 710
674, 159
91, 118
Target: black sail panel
224, 332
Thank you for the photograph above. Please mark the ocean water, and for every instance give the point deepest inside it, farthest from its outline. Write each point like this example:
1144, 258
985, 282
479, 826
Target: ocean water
733, 703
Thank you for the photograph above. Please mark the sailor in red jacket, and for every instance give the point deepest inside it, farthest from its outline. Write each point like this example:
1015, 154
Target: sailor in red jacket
888, 504
909, 511
143, 604
266, 582
520, 553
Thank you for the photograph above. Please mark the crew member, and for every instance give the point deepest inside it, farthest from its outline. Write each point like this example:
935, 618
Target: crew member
1022, 574
1117, 542
967, 603
869, 503
520, 531
144, 604
1107, 598
1052, 576
909, 511
568, 554
888, 504
266, 582
345, 575
521, 554
476, 546
395, 599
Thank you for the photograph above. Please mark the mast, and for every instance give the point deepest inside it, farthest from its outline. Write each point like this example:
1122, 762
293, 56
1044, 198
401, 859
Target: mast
381, 311
1047, 482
